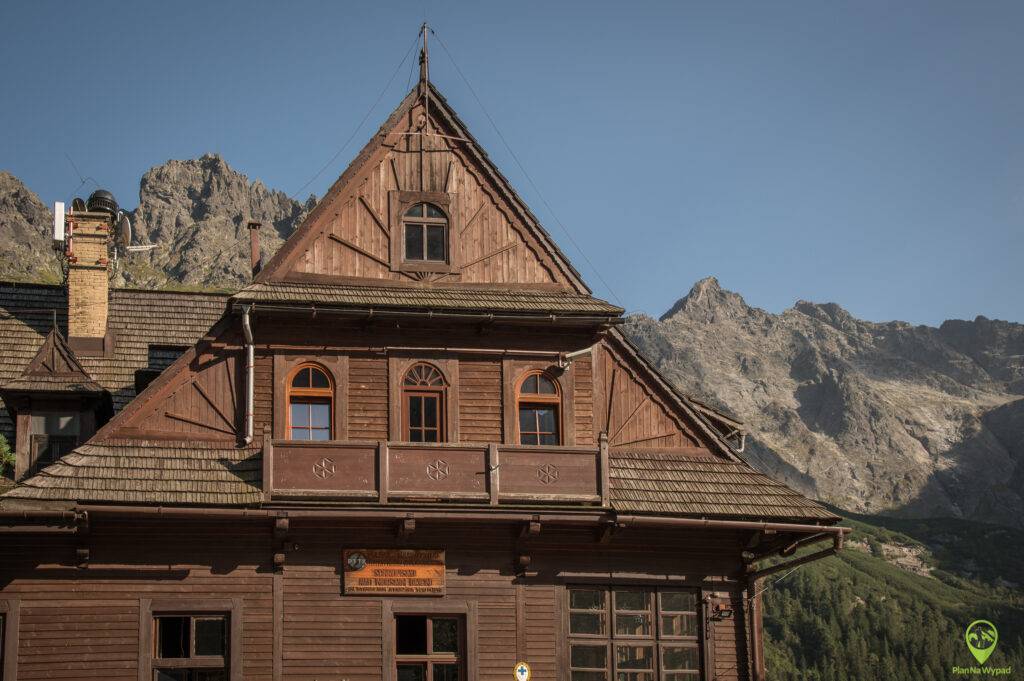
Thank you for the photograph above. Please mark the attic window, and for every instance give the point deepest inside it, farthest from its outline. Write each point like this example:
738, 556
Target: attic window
426, 234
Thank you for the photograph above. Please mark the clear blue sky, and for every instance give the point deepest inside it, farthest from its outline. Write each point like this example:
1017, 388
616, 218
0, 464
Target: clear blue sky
866, 153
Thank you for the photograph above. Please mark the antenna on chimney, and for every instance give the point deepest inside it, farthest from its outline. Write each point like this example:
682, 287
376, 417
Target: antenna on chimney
58, 226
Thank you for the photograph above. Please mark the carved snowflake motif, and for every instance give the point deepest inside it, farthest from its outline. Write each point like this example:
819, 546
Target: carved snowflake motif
547, 474
437, 469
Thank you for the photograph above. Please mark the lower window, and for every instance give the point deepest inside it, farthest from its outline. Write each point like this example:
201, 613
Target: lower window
633, 634
190, 647
429, 648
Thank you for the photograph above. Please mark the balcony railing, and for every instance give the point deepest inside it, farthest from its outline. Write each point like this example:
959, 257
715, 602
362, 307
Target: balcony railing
385, 472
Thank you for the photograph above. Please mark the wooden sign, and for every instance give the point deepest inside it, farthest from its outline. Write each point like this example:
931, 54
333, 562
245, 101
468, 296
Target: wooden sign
390, 572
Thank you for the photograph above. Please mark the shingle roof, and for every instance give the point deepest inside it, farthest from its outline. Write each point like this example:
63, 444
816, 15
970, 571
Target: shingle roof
138, 319
149, 472
54, 369
210, 474
676, 484
427, 298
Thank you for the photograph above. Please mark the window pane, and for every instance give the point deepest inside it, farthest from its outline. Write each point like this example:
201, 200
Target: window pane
446, 672
529, 439
415, 411
412, 672
170, 674
320, 415
435, 243
301, 379
319, 379
549, 439
633, 625
679, 625
676, 601
446, 636
545, 386
210, 636
172, 637
415, 212
546, 420
586, 599
319, 434
530, 385
527, 419
434, 212
588, 656
430, 412
209, 675
681, 676
586, 623
634, 657
634, 676
632, 600
411, 635
430, 435
675, 658
414, 242
52, 423
416, 435
300, 414
589, 676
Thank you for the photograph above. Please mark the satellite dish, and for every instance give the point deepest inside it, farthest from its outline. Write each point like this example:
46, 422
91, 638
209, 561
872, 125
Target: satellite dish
123, 231
78, 205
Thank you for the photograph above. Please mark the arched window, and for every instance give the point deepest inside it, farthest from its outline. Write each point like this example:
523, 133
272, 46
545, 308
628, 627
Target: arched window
539, 404
426, 233
310, 404
423, 404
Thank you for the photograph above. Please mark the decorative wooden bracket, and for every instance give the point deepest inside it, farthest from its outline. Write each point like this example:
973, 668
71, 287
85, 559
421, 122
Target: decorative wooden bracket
282, 528
82, 540
406, 527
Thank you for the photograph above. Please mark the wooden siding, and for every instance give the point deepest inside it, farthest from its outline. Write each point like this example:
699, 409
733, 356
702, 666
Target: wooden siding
631, 412
200, 402
480, 400
368, 398
583, 396
352, 234
85, 624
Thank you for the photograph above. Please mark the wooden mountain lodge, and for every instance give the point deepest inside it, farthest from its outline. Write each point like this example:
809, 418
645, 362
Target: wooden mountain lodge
414, 448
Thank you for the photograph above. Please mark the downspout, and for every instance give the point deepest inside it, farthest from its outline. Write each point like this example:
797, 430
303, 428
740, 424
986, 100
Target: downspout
250, 366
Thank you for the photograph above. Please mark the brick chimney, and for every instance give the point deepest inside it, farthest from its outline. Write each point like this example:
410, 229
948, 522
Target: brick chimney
88, 281
255, 255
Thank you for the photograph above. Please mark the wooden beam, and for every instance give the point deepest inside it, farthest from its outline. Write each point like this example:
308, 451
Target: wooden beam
646, 439
611, 398
213, 406
394, 171
472, 219
376, 218
448, 176
490, 255
629, 418
194, 422
358, 250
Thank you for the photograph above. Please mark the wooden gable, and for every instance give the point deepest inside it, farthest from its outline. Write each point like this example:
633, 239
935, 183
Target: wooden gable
639, 411
423, 153
196, 398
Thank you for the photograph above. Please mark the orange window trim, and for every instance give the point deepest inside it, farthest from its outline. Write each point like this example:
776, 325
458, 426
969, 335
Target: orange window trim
311, 394
530, 399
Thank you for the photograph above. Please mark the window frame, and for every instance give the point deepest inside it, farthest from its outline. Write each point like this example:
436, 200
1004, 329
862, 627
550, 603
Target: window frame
193, 661
10, 610
655, 641
149, 609
466, 610
399, 202
430, 658
424, 223
439, 392
310, 396
539, 400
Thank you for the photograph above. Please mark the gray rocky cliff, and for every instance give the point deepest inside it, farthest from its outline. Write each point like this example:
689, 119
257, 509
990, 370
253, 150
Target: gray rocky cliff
871, 417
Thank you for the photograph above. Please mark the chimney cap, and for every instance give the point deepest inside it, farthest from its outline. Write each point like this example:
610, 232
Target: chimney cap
102, 201
254, 224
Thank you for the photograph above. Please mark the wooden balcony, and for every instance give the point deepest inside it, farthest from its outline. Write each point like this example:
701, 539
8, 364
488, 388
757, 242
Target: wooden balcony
406, 472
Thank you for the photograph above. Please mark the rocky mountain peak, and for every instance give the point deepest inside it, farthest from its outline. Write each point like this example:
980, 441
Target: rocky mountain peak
706, 301
25, 224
